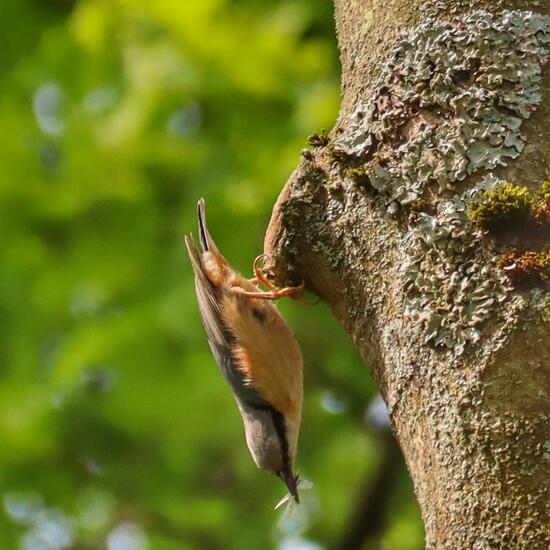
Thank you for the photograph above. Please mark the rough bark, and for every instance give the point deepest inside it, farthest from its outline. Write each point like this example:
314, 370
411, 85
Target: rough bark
468, 393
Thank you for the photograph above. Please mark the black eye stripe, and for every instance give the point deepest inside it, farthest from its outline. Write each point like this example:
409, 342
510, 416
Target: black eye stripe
280, 428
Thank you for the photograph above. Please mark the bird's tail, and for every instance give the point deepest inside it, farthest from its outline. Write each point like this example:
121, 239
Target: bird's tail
205, 239
207, 288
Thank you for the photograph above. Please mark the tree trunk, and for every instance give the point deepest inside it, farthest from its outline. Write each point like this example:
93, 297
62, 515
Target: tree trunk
442, 102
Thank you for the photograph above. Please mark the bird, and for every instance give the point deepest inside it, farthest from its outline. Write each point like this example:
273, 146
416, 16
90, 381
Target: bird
256, 351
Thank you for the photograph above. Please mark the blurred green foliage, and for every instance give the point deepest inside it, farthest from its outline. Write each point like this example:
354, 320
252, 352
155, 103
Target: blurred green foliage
116, 429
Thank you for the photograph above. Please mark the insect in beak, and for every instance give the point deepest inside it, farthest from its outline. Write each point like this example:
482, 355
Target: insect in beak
291, 498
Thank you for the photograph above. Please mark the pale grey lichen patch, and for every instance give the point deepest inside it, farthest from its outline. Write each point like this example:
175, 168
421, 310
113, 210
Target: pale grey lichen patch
539, 303
450, 102
453, 286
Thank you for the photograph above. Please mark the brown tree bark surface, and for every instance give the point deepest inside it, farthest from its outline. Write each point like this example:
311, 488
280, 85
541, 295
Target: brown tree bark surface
443, 100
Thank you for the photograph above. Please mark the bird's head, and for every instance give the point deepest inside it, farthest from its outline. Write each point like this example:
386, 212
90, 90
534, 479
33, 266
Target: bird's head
272, 441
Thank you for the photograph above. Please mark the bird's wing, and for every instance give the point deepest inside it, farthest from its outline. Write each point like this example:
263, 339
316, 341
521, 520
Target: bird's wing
208, 299
221, 340
246, 395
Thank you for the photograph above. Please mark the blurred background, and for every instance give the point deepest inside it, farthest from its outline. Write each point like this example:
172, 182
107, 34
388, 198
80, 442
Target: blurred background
116, 430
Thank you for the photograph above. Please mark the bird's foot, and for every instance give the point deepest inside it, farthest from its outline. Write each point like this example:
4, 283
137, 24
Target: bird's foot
273, 292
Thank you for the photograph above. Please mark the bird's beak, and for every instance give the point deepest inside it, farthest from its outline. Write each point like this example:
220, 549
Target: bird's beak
291, 481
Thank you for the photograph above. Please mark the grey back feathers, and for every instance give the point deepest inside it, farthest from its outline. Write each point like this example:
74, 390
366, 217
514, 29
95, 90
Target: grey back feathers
208, 299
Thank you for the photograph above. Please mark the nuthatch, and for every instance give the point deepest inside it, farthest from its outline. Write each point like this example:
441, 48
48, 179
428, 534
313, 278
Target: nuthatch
255, 351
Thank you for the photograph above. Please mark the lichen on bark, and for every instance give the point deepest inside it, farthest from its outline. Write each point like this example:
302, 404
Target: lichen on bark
450, 101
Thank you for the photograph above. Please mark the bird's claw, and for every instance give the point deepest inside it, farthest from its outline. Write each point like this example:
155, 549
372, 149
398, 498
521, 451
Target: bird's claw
274, 292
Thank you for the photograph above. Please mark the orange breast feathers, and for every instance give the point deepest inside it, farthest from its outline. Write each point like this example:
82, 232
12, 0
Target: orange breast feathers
267, 352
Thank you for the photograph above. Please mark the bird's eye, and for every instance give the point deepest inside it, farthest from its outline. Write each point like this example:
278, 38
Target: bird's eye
258, 314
